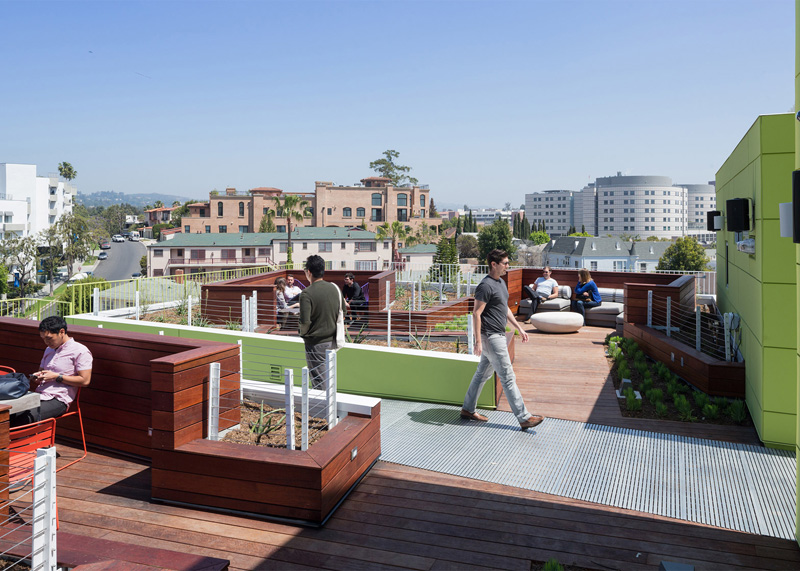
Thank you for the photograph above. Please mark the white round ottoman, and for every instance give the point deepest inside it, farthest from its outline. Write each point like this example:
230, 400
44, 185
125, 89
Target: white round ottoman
557, 321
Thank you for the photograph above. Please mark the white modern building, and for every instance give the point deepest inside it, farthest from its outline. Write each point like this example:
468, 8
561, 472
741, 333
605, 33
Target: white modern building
342, 248
30, 203
619, 205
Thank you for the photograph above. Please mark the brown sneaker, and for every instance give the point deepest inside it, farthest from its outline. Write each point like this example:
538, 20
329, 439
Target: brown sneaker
473, 416
534, 420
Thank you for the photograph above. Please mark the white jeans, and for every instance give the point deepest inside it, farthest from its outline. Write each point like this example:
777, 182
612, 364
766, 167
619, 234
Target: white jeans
494, 357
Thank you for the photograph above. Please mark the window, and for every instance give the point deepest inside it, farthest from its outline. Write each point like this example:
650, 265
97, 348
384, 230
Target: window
208, 229
305, 245
402, 214
326, 246
223, 229
377, 199
386, 245
244, 229
281, 228
330, 211
263, 251
157, 273
158, 253
344, 264
422, 213
283, 247
377, 215
361, 212
202, 213
364, 266
177, 253
241, 209
188, 229
402, 199
593, 266
347, 212
422, 200
344, 245
219, 208
229, 254
365, 247
264, 210
198, 254
642, 267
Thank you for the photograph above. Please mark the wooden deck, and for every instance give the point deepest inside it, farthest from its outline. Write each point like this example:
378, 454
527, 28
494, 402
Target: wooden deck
405, 518
567, 376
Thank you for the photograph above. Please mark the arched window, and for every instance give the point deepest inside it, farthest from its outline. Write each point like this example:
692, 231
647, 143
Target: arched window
241, 209
402, 199
219, 208
377, 199
361, 212
347, 212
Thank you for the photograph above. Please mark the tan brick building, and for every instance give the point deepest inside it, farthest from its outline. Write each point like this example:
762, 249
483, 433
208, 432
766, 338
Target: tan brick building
374, 202
239, 212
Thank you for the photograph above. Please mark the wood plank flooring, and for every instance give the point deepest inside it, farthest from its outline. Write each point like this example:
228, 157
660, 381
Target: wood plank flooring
567, 376
405, 518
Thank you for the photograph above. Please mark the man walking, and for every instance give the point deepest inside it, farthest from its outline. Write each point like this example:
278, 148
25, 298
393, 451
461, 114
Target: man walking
490, 316
320, 304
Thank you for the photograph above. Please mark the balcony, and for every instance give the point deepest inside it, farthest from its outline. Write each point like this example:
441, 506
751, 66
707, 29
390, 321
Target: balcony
173, 261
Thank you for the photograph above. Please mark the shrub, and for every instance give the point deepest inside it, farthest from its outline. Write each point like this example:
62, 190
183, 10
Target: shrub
641, 367
623, 371
721, 402
684, 408
661, 409
672, 388
737, 410
646, 385
655, 396
711, 411
631, 402
552, 565
700, 399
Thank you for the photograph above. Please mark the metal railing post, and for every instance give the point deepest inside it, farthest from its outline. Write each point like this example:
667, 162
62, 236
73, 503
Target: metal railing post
388, 315
727, 322
136, 303
213, 401
96, 301
470, 335
650, 308
244, 314
330, 387
189, 311
288, 379
254, 312
697, 330
669, 317
304, 412
43, 532
241, 369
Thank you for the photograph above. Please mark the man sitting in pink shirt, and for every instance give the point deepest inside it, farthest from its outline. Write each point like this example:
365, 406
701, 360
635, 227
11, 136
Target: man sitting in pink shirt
65, 367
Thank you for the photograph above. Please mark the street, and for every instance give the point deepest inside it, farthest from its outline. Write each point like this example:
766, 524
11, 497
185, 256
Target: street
123, 260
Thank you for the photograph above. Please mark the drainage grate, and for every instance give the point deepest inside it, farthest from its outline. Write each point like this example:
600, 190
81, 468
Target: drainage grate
734, 486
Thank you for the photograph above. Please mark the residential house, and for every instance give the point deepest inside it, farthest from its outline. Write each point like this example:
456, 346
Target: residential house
603, 254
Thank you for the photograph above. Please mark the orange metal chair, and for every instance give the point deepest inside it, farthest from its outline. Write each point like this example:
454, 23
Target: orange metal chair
5, 369
75, 409
24, 442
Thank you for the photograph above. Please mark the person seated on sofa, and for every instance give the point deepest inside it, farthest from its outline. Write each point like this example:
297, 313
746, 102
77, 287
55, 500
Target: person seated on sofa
291, 292
546, 288
283, 308
586, 294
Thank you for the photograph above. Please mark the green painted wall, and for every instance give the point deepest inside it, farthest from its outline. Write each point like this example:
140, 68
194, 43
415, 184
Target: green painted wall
797, 258
762, 287
363, 370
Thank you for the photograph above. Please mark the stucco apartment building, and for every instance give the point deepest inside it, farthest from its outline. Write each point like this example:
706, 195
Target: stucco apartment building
374, 201
30, 203
342, 248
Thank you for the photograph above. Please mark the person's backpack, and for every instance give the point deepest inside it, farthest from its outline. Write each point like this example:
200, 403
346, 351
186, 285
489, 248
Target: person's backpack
13, 386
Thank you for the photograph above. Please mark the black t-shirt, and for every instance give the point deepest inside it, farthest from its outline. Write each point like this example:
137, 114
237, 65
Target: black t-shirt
352, 292
494, 294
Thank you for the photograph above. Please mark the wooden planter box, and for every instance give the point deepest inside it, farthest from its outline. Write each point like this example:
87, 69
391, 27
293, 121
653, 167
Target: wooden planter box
303, 487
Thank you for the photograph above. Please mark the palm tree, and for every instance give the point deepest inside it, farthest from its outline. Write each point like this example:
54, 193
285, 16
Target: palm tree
292, 208
396, 231
66, 171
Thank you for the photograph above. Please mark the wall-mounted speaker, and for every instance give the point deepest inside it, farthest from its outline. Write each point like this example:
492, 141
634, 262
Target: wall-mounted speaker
713, 220
796, 207
737, 213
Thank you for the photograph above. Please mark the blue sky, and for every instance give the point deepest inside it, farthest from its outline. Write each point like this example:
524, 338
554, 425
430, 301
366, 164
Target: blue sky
485, 100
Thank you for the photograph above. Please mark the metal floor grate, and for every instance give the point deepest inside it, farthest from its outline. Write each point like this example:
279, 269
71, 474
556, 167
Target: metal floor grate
734, 486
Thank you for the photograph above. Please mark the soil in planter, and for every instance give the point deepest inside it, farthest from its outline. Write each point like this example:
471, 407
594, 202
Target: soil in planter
648, 409
251, 415
11, 563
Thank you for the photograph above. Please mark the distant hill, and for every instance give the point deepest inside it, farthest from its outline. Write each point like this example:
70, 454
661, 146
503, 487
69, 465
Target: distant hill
109, 198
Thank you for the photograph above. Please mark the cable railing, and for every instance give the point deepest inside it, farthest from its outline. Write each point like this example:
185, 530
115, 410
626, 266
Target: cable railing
703, 330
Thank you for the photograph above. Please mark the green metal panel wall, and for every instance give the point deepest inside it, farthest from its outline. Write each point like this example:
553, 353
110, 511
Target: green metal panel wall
762, 287
372, 371
797, 253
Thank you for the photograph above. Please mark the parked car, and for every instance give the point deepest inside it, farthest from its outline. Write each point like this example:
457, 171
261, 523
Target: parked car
117, 238
102, 256
136, 275
105, 244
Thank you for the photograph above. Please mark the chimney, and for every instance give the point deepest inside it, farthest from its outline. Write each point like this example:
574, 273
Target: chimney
230, 191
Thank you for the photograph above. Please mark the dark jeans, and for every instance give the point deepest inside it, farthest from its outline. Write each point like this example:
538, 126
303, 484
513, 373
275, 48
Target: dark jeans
51, 408
579, 306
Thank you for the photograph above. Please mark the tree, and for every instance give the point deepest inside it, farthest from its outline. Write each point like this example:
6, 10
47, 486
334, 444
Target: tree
583, 228
396, 231
467, 246
66, 171
82, 296
267, 222
581, 234
79, 235
539, 237
3, 280
425, 234
387, 167
176, 218
214, 192
686, 254
157, 228
507, 206
446, 255
496, 235
630, 237
50, 241
526, 227
363, 224
176, 203
158, 204
20, 255
432, 212
292, 208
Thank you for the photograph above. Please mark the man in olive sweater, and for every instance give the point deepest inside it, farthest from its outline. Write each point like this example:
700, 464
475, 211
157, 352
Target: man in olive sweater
320, 303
